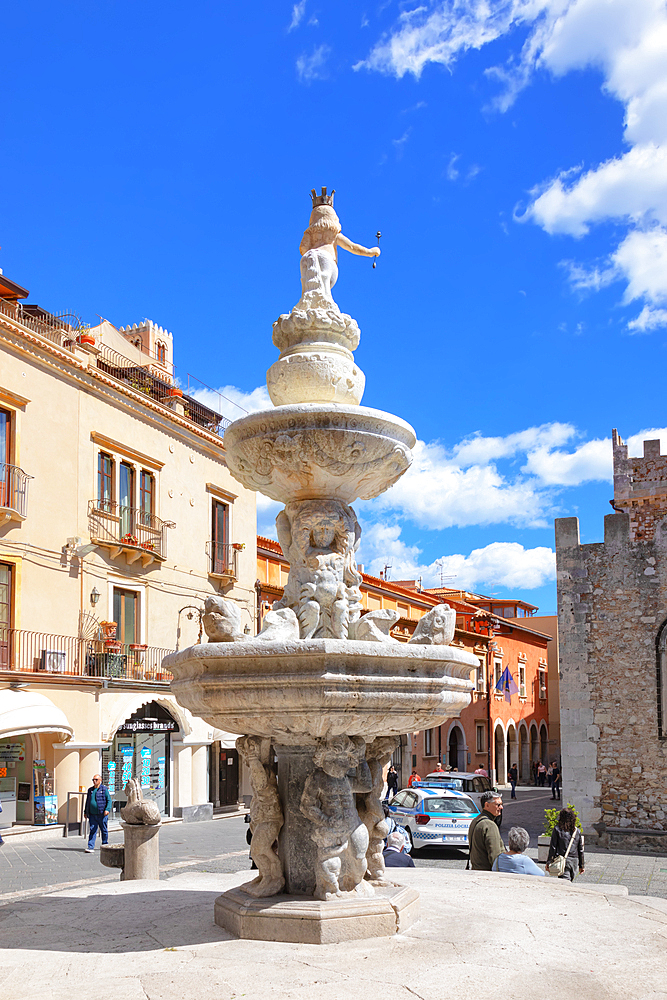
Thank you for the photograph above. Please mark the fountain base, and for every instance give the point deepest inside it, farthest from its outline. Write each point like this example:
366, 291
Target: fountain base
301, 920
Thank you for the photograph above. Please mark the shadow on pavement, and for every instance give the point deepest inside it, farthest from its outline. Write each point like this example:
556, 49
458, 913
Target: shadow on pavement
130, 921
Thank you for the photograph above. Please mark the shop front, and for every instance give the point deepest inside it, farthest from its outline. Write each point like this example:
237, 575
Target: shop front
224, 774
30, 725
141, 749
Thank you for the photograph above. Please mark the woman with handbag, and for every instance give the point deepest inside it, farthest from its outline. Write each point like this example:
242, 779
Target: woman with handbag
566, 844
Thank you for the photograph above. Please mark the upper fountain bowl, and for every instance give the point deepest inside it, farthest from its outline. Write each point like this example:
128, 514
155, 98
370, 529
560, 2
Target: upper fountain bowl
308, 451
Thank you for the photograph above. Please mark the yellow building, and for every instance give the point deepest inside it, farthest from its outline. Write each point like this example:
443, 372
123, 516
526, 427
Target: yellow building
116, 506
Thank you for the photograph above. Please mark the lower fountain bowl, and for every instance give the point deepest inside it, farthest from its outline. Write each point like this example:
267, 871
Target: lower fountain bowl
303, 690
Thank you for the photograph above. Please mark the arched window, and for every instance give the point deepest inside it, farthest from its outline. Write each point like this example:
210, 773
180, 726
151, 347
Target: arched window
161, 353
661, 680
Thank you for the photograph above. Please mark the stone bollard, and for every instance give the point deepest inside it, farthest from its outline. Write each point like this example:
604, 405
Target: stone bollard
141, 851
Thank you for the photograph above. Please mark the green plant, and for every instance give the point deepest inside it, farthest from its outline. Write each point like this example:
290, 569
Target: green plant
551, 819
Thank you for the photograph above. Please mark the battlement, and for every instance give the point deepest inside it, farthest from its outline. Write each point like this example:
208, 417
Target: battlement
640, 486
151, 339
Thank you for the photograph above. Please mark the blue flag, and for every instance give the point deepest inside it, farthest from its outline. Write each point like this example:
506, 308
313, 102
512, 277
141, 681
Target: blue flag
506, 684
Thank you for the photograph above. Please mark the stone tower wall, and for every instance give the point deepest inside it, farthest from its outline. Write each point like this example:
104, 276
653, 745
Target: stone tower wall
612, 604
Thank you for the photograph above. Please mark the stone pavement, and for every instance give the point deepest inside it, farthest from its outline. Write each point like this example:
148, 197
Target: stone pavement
507, 936
219, 846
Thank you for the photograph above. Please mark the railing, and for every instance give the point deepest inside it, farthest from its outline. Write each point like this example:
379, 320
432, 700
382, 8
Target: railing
207, 396
111, 523
54, 328
41, 652
222, 558
14, 489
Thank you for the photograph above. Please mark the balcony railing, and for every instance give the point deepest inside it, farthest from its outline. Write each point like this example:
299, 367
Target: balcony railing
55, 328
128, 529
222, 559
65, 655
13, 493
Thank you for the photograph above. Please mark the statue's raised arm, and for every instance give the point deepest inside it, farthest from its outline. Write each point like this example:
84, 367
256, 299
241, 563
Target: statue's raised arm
346, 244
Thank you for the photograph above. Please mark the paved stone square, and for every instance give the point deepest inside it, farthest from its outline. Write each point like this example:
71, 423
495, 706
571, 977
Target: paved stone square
219, 846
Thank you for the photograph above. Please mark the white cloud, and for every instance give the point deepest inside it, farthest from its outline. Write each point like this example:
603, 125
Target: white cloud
298, 11
312, 67
500, 564
626, 41
231, 402
590, 461
635, 442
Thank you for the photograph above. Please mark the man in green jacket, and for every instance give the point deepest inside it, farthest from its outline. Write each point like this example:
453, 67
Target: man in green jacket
483, 835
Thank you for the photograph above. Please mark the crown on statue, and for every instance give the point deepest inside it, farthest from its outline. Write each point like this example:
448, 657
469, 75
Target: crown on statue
322, 199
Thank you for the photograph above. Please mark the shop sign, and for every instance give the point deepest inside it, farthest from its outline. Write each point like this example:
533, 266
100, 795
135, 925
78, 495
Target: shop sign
148, 726
128, 753
12, 751
145, 767
160, 772
111, 768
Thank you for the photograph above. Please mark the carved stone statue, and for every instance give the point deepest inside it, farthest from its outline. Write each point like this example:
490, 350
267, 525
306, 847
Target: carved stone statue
137, 810
369, 805
266, 817
316, 339
279, 626
374, 626
320, 538
436, 628
222, 620
328, 802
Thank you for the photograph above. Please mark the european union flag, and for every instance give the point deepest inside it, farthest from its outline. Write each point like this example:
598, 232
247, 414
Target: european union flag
506, 684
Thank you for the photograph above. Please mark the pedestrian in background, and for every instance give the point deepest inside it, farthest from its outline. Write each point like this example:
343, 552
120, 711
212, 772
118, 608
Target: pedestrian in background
555, 781
413, 777
514, 860
513, 777
96, 810
541, 774
484, 838
565, 832
392, 781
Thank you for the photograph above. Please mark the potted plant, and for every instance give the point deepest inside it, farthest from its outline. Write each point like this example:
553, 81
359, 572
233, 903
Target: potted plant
238, 546
86, 338
108, 629
129, 539
174, 393
550, 821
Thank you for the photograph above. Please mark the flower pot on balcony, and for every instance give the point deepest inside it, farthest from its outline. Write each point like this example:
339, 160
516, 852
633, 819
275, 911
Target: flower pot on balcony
112, 645
129, 540
139, 646
238, 546
86, 338
174, 393
108, 629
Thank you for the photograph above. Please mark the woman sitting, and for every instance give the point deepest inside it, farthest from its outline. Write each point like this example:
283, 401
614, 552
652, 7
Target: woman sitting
515, 860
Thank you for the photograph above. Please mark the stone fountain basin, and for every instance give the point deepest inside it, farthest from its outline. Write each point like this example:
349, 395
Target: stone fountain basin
310, 688
310, 450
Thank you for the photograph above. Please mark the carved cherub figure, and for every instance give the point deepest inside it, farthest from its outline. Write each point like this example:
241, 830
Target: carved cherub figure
436, 628
374, 626
328, 802
319, 249
320, 539
369, 805
266, 817
222, 620
137, 810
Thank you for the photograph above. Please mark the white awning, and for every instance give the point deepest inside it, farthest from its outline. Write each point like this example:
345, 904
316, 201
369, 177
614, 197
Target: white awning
29, 712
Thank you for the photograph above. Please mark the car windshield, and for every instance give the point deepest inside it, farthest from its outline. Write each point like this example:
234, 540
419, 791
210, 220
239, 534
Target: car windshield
438, 805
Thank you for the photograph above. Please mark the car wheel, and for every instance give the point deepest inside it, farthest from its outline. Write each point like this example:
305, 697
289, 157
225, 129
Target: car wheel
413, 849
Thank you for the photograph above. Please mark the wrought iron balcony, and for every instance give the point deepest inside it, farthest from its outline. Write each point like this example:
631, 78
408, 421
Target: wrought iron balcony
223, 560
69, 656
13, 493
129, 531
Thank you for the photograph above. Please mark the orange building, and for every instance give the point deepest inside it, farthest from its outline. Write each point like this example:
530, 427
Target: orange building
496, 633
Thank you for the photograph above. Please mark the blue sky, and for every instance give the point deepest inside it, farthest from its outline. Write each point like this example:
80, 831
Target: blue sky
156, 161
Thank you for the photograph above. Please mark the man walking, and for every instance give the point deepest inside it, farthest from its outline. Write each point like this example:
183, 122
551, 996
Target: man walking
97, 808
555, 781
513, 776
484, 838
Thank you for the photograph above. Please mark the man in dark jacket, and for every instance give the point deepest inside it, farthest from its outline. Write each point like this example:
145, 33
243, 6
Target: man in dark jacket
393, 853
97, 809
483, 835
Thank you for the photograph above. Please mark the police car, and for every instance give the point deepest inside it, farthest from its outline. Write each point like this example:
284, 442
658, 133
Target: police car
434, 817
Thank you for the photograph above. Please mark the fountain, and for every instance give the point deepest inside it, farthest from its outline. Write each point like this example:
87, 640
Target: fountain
322, 688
